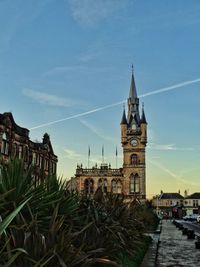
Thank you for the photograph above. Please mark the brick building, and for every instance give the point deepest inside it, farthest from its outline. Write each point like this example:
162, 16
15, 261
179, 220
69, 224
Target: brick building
15, 143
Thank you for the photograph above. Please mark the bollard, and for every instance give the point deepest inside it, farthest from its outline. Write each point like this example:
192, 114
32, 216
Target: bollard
197, 243
184, 231
180, 227
190, 234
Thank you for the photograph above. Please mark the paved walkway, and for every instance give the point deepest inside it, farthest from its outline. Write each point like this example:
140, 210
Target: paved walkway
175, 250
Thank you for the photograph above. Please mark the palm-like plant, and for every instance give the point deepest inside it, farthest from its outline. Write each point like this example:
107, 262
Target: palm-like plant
57, 228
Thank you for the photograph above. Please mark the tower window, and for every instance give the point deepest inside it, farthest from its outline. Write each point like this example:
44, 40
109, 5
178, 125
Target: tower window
134, 159
89, 186
4, 144
134, 184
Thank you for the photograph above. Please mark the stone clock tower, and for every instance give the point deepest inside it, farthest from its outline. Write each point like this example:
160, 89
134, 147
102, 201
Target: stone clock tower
130, 180
134, 140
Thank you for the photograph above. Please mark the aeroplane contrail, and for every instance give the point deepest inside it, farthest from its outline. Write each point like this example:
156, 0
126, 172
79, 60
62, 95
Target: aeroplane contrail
165, 89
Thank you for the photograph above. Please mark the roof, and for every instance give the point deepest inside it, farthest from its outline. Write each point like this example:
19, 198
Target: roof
171, 196
194, 196
19, 130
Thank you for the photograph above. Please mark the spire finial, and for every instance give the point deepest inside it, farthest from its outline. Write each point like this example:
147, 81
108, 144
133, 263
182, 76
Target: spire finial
132, 69
123, 105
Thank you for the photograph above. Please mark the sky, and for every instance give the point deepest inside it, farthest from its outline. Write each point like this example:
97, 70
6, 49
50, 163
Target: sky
69, 62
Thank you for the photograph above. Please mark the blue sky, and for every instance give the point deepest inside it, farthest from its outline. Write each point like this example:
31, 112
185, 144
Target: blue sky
67, 57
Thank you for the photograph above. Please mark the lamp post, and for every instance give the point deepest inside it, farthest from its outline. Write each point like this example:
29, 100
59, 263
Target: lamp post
157, 196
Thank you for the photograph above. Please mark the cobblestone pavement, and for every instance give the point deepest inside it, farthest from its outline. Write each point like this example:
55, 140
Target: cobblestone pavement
175, 250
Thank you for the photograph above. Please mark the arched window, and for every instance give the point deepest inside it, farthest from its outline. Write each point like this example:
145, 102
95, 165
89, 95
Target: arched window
20, 152
4, 144
103, 183
114, 186
134, 184
100, 183
119, 187
14, 150
89, 186
33, 158
26, 154
134, 159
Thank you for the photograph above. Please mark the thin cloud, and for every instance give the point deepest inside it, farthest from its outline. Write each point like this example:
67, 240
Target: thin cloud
48, 99
162, 90
171, 173
71, 154
96, 131
90, 12
168, 147
87, 57
75, 68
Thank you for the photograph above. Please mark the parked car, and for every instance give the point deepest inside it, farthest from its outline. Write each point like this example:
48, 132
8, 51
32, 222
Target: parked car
190, 217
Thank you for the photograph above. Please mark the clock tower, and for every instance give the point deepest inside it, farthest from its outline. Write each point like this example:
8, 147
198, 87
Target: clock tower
134, 140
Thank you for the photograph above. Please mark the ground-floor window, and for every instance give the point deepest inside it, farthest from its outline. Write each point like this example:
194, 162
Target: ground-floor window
116, 186
89, 186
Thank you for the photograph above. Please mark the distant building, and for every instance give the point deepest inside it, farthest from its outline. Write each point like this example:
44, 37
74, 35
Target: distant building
166, 200
15, 143
192, 203
169, 204
129, 180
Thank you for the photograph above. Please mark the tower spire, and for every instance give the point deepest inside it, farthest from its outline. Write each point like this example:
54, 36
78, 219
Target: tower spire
133, 92
133, 117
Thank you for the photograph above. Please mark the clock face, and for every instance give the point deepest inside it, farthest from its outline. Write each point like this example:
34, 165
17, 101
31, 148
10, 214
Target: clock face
134, 142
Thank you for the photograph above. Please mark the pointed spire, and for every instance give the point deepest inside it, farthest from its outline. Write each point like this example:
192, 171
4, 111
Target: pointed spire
143, 119
124, 121
133, 92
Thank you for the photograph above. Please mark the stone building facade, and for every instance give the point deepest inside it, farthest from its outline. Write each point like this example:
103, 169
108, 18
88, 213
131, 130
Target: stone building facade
192, 203
131, 178
15, 143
